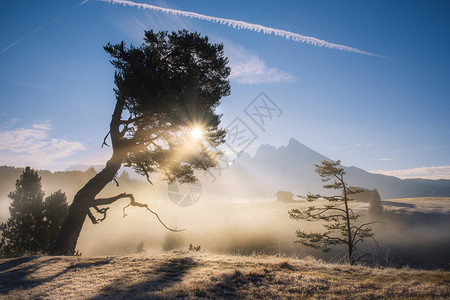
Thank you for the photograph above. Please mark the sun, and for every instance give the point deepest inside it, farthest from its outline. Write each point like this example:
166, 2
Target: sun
196, 133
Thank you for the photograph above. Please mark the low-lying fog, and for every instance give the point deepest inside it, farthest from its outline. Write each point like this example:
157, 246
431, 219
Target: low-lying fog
416, 233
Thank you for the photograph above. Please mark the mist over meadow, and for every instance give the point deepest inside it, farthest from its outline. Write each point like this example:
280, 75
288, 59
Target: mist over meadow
239, 226
245, 222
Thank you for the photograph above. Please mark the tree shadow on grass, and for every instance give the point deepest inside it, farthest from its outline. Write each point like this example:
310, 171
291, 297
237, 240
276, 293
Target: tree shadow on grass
12, 263
164, 276
14, 276
232, 285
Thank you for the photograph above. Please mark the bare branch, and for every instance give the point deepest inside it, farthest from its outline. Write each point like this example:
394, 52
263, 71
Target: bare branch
101, 211
104, 140
117, 183
124, 130
358, 229
321, 211
107, 201
146, 174
131, 120
91, 216
134, 203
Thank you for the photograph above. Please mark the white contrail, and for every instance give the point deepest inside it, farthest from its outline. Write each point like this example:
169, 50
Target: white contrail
31, 33
245, 25
38, 29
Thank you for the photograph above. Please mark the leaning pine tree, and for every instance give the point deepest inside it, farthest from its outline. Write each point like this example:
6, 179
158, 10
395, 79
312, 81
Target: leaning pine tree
166, 87
340, 222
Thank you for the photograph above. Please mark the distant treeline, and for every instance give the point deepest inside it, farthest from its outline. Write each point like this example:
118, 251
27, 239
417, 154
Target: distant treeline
67, 181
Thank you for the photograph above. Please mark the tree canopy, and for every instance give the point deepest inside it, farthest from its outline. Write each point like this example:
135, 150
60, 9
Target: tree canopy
168, 86
165, 88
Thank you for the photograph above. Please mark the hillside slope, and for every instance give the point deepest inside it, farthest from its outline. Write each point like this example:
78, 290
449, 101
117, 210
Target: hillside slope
165, 275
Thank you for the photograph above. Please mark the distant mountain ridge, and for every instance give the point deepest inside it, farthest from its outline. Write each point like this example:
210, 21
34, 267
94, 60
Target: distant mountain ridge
271, 169
84, 168
292, 167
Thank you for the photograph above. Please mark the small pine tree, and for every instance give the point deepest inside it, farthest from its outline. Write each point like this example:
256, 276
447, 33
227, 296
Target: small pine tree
340, 222
140, 247
125, 177
376, 210
34, 223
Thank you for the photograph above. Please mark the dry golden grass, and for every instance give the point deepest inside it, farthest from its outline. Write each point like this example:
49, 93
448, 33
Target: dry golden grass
198, 275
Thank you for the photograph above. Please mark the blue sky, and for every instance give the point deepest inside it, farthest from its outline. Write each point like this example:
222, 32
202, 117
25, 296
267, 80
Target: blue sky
388, 114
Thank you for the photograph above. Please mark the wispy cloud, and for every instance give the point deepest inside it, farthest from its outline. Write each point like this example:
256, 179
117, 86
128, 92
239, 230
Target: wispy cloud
246, 67
42, 126
34, 146
27, 84
385, 159
249, 69
9, 123
442, 172
134, 26
245, 25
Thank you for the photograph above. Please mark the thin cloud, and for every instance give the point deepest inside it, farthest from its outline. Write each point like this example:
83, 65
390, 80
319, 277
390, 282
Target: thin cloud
245, 25
247, 68
441, 172
385, 159
42, 126
33, 146
31, 33
39, 28
27, 84
9, 123
134, 27
11, 45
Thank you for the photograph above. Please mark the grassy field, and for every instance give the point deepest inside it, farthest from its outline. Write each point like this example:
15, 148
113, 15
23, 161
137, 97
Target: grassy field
199, 275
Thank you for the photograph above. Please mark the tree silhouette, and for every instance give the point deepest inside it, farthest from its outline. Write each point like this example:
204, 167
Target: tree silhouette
168, 86
140, 247
55, 211
124, 177
21, 232
340, 222
33, 225
376, 210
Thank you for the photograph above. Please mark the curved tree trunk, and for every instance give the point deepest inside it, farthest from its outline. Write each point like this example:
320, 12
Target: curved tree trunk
71, 228
70, 231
